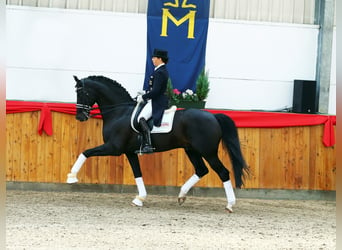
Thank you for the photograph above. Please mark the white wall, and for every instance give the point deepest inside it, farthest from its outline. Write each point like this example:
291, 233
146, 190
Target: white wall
332, 91
47, 46
251, 65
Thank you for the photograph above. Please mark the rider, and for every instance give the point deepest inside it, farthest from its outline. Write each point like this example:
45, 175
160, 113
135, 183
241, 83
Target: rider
156, 98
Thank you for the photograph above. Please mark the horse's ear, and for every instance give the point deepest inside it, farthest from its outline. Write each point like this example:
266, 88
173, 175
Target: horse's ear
76, 79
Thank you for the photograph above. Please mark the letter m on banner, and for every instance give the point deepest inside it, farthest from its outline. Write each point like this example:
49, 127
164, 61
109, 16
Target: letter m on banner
180, 27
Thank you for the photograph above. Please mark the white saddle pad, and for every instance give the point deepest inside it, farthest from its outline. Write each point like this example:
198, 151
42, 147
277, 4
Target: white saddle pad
166, 123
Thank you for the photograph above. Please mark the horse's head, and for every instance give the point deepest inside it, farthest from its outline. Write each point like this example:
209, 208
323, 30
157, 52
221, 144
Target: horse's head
85, 100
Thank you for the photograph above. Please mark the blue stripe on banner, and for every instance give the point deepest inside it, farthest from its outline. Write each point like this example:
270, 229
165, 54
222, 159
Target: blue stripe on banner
180, 27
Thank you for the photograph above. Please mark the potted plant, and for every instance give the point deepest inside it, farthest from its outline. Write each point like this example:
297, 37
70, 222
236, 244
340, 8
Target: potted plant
188, 98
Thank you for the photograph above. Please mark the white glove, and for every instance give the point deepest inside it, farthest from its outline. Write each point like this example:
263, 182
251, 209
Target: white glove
141, 92
140, 99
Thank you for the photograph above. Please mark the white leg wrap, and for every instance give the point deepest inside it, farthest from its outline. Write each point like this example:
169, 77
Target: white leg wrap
72, 176
139, 199
141, 187
188, 184
228, 188
78, 164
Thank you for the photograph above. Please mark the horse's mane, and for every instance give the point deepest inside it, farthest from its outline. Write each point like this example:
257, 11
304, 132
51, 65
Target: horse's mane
112, 84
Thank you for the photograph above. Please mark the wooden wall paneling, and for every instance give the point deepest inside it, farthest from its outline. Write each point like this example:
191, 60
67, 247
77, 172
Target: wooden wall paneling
321, 169
80, 146
330, 161
42, 154
150, 169
155, 170
298, 158
98, 169
169, 162
47, 143
83, 145
116, 169
91, 165
112, 169
316, 168
128, 177
286, 162
285, 149
26, 130
147, 168
286, 158
268, 169
91, 162
159, 170
250, 146
103, 168
11, 146
10, 127
226, 161
163, 169
29, 158
56, 141
65, 142
73, 134
48, 147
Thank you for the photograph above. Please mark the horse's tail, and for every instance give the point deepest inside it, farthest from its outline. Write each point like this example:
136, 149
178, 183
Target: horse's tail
231, 141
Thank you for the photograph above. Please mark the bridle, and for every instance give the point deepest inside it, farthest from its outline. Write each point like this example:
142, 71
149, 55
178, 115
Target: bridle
85, 108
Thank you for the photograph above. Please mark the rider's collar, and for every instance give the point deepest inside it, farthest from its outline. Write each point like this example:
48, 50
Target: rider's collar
159, 66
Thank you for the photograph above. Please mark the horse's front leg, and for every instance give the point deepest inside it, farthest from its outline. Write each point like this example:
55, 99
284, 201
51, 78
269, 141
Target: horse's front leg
72, 176
140, 198
102, 150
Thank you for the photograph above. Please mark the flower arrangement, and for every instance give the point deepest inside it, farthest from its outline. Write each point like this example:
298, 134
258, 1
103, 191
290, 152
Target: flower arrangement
202, 90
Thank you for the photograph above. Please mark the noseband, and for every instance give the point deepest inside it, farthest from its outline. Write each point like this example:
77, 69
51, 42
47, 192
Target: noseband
85, 109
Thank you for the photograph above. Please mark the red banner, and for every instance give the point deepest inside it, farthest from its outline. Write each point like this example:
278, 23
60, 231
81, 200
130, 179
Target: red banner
243, 119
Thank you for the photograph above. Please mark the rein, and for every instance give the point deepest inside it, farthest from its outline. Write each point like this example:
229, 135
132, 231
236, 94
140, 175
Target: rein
86, 109
108, 108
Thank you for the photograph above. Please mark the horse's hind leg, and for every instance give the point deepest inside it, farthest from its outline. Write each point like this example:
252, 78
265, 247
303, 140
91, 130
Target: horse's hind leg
223, 173
200, 171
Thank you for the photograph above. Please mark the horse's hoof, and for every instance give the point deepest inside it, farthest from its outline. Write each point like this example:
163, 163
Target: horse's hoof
72, 178
181, 200
229, 208
133, 204
138, 201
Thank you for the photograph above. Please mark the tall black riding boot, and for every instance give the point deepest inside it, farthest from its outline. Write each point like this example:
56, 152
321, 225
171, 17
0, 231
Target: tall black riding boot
146, 133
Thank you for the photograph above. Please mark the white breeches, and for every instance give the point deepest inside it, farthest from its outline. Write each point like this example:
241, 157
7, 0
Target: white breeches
146, 112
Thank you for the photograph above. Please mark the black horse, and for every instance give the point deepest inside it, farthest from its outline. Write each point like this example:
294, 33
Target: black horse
197, 131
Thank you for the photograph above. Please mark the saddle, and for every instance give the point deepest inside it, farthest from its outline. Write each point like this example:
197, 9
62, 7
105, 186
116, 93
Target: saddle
166, 123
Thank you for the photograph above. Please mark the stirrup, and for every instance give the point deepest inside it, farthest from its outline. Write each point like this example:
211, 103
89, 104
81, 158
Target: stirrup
147, 149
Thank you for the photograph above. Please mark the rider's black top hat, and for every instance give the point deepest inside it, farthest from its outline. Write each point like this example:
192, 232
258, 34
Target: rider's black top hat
160, 53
